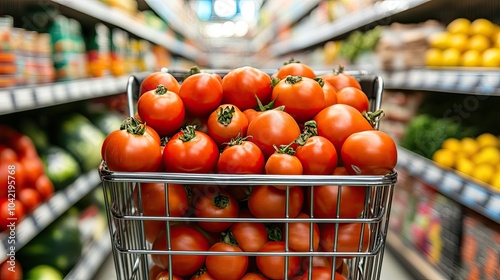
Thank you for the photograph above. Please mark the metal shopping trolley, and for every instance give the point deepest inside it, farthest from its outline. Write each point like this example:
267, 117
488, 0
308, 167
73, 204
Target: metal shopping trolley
133, 255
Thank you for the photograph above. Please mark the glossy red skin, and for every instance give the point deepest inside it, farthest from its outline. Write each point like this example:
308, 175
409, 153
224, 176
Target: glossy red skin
299, 235
229, 267
19, 212
318, 156
245, 158
7, 154
354, 97
295, 69
203, 276
163, 112
222, 134
157, 78
165, 275
249, 235
154, 271
325, 201
321, 261
253, 276
269, 202
206, 208
183, 238
198, 155
341, 80
241, 85
34, 168
330, 94
201, 94
302, 100
30, 198
348, 238
272, 128
273, 267
6, 274
338, 122
322, 273
283, 164
377, 149
44, 186
124, 151
153, 204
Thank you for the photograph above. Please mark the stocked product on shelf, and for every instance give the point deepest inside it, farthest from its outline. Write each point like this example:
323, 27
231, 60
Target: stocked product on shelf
7, 53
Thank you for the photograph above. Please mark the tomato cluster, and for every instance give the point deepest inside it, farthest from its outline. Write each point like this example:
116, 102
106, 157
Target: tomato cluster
248, 122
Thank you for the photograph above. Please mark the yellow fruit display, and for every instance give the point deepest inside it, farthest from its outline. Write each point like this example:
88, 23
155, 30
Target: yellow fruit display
444, 157
478, 42
491, 57
433, 57
483, 172
495, 181
483, 27
464, 165
487, 155
451, 57
439, 40
487, 140
470, 58
459, 25
458, 41
452, 144
468, 146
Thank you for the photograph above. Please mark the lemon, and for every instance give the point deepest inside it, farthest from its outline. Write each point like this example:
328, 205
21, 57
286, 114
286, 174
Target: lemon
433, 57
496, 38
452, 144
451, 57
464, 165
458, 41
439, 40
479, 43
469, 146
491, 57
495, 181
444, 157
483, 172
482, 26
459, 25
470, 58
487, 140
489, 155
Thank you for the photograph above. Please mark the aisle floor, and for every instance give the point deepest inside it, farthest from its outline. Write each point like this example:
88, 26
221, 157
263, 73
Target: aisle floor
391, 269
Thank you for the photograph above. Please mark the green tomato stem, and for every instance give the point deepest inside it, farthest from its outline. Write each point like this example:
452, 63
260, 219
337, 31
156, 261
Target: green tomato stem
225, 115
161, 90
221, 201
188, 133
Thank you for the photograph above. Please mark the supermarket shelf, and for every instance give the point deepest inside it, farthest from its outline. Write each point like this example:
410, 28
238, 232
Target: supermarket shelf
455, 186
411, 259
47, 212
344, 25
17, 99
92, 258
467, 81
100, 11
282, 20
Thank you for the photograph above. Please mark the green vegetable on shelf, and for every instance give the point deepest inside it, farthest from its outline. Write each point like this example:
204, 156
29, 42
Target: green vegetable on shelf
44, 272
60, 166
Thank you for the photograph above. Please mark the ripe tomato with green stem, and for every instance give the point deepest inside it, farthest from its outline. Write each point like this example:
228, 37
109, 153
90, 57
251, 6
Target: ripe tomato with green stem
294, 67
250, 236
159, 78
269, 202
241, 86
329, 92
340, 79
230, 267
161, 109
273, 267
217, 205
200, 92
226, 123
302, 97
283, 162
241, 156
190, 151
134, 148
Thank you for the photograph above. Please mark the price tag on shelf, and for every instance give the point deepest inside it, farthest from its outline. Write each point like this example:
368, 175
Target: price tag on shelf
59, 203
468, 82
433, 174
474, 193
6, 105
44, 95
23, 98
84, 88
451, 183
493, 205
43, 216
489, 84
431, 79
74, 91
60, 93
449, 80
416, 78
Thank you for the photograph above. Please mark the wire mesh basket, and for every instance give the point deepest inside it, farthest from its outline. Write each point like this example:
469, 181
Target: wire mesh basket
134, 255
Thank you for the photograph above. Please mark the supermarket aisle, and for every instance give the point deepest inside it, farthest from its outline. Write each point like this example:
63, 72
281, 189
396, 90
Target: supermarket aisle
391, 269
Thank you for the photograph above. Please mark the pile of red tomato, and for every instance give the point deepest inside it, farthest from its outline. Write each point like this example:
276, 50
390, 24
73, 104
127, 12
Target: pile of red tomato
248, 122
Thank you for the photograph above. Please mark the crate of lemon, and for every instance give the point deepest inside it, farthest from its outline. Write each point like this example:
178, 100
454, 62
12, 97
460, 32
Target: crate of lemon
465, 44
478, 157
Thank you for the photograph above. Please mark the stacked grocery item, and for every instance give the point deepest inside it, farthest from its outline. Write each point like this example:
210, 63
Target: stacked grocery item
7, 53
465, 43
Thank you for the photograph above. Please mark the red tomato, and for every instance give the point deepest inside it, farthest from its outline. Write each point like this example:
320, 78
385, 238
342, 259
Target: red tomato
165, 275
226, 123
283, 162
272, 128
202, 275
338, 122
154, 271
253, 276
12, 173
7, 155
269, 202
352, 201
241, 157
23, 145
201, 93
322, 273
217, 205
321, 261
295, 68
330, 93
251, 114
369, 153
299, 235
10, 208
159, 78
153, 204
242, 85
250, 236
228, 267
354, 97
273, 267
161, 109
134, 148
317, 155
34, 168
183, 238
30, 198
302, 97
190, 151
44, 186
339, 79
11, 271
348, 237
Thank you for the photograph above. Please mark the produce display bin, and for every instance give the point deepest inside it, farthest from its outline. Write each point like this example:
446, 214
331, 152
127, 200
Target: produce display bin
133, 254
